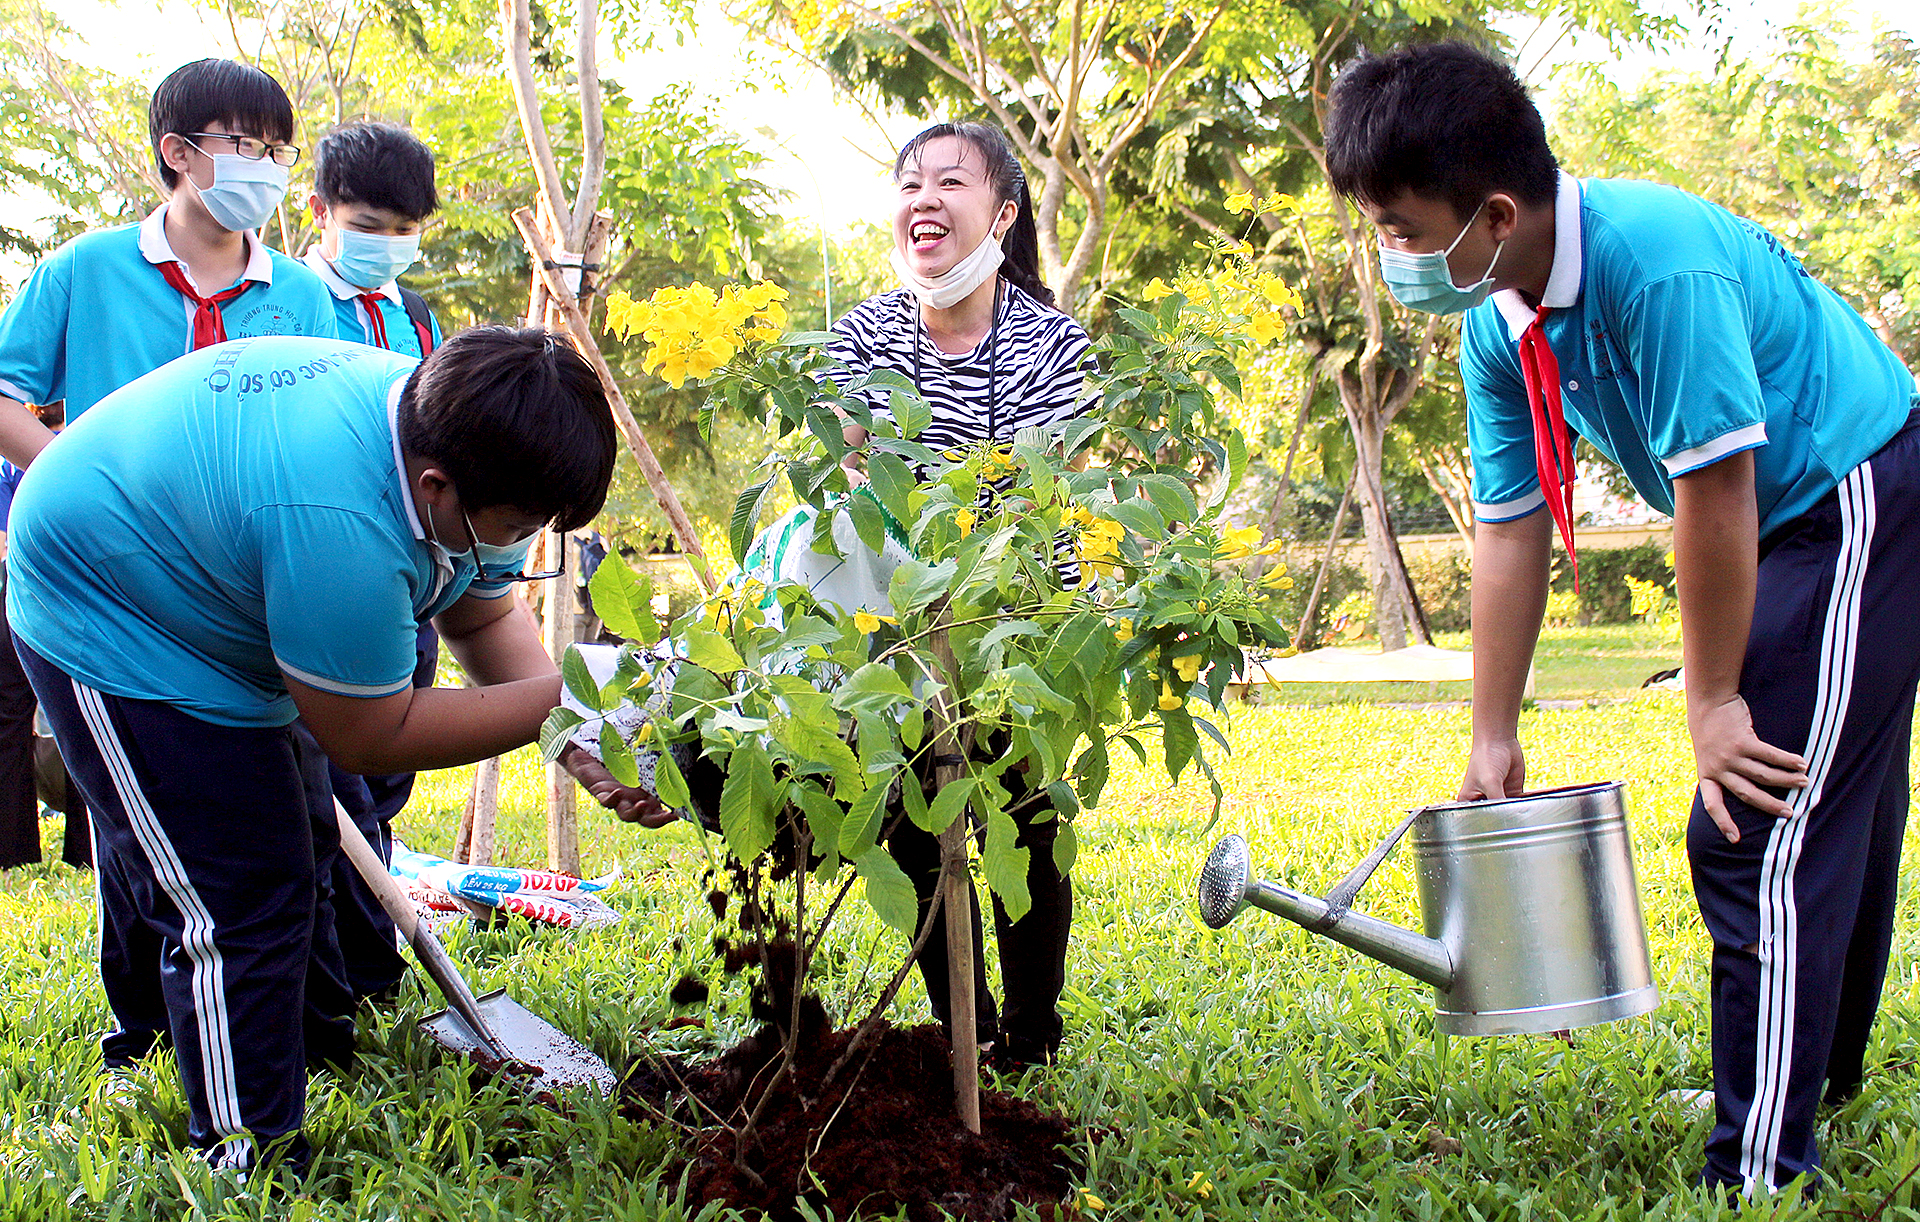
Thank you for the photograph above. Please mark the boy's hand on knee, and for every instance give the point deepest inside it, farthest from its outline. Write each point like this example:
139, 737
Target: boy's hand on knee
1732, 760
1494, 770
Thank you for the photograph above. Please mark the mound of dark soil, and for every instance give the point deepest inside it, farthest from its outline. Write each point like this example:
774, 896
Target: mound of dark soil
884, 1135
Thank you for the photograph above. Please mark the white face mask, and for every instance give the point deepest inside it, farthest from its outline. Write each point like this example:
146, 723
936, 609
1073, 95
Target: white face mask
244, 191
951, 287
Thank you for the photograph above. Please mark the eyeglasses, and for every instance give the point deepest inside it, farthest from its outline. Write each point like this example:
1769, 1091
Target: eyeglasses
483, 575
251, 148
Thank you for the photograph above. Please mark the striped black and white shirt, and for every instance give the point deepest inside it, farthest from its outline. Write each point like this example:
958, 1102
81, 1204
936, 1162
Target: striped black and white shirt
1038, 371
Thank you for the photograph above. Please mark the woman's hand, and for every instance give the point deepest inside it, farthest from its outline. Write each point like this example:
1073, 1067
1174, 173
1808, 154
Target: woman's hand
630, 804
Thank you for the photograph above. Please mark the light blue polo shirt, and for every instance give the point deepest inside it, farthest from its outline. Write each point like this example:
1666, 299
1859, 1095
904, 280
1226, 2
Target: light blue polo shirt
1684, 334
350, 313
96, 314
238, 514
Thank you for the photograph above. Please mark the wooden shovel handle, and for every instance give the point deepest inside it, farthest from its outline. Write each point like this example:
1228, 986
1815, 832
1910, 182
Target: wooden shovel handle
432, 956
375, 874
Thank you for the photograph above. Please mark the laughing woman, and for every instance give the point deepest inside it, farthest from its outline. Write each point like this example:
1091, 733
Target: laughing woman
976, 330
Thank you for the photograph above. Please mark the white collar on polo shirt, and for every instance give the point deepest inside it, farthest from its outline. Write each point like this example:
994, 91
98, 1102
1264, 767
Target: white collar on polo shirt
155, 248
1563, 279
340, 288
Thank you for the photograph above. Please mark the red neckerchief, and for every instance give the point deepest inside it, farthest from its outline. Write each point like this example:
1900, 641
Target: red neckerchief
376, 325
208, 326
1552, 444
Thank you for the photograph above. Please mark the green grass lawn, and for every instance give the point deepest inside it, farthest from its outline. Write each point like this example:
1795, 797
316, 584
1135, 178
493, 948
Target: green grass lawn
1252, 1073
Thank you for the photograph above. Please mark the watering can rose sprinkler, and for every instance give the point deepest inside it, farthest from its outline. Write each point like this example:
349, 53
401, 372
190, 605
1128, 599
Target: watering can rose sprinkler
1530, 905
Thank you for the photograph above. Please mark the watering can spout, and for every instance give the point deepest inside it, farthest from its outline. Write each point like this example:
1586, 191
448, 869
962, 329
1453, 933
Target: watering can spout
1227, 885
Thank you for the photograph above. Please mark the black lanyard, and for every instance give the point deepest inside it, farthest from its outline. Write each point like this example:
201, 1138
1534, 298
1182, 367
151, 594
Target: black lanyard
993, 348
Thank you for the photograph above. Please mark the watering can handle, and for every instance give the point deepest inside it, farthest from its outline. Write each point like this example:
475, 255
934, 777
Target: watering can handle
1340, 898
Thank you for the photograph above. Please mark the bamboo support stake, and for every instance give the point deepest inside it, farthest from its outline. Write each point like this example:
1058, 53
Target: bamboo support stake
483, 805
956, 890
622, 414
563, 812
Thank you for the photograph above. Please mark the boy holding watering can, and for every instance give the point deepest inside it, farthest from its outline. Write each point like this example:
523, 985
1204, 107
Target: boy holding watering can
1751, 403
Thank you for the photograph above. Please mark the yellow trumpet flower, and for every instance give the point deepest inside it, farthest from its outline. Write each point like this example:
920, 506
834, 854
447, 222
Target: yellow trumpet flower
868, 623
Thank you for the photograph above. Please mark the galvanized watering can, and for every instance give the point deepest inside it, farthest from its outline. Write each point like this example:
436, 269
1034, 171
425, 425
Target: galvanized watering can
1531, 910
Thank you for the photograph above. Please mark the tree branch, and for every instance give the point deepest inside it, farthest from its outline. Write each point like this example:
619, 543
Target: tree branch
517, 29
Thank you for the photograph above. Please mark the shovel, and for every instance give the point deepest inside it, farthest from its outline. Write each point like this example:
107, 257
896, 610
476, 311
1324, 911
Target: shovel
494, 1031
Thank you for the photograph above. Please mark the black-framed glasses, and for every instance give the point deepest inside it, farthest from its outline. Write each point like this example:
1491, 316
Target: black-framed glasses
251, 147
474, 538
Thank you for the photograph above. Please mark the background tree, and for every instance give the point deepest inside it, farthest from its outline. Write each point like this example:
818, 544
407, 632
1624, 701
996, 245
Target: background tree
1814, 137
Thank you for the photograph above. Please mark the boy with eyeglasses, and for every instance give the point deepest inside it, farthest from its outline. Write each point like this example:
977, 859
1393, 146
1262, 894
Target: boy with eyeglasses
114, 304
267, 522
373, 191
1754, 405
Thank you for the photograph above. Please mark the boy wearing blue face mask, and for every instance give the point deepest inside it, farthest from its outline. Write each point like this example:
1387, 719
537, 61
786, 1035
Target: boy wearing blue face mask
114, 304
1755, 406
372, 194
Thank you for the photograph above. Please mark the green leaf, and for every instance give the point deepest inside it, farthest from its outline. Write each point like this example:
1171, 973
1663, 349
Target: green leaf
618, 756
579, 680
1180, 740
1140, 517
805, 339
746, 516
1236, 467
911, 412
824, 815
862, 827
1092, 767
668, 785
947, 805
746, 803
888, 889
891, 481
818, 745
867, 521
1066, 847
874, 688
707, 648
555, 730
1005, 866
623, 601
916, 583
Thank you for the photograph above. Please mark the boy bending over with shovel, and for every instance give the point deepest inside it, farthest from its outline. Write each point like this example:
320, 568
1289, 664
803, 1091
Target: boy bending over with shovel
1751, 403
259, 528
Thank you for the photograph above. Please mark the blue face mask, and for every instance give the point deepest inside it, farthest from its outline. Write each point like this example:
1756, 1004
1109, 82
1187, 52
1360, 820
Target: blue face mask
1424, 282
244, 192
372, 260
494, 560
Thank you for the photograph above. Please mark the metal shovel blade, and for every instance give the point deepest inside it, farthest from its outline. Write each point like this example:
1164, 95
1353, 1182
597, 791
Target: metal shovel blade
540, 1055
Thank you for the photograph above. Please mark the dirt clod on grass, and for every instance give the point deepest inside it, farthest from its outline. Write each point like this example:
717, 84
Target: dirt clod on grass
884, 1136
688, 991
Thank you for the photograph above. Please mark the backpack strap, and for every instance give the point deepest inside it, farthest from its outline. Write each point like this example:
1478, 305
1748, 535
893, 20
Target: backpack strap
421, 317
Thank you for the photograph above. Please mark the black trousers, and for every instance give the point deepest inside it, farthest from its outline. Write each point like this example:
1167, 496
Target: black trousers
211, 840
1801, 909
1033, 950
19, 801
366, 933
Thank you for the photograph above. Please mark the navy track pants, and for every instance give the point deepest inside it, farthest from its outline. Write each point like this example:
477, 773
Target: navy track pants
367, 938
1801, 909
206, 838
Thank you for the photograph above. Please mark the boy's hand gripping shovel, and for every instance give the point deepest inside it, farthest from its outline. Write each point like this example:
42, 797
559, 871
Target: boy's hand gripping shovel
496, 1032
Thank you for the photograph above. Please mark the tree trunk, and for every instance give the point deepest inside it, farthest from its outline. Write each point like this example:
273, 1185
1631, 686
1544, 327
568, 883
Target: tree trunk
1386, 578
